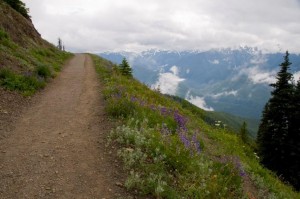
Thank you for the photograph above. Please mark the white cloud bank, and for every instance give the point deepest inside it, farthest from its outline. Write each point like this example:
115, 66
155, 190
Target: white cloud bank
297, 76
215, 61
255, 73
225, 93
169, 81
137, 25
200, 102
258, 76
174, 69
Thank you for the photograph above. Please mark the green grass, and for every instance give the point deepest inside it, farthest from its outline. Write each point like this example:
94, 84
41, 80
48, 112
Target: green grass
31, 67
5, 41
170, 151
25, 84
3, 35
232, 122
43, 71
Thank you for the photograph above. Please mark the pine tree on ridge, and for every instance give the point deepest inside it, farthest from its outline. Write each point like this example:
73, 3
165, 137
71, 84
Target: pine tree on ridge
125, 68
276, 138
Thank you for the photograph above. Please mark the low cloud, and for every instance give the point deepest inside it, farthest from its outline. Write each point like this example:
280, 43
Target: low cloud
254, 71
169, 81
297, 76
258, 76
200, 102
258, 59
225, 93
215, 61
174, 69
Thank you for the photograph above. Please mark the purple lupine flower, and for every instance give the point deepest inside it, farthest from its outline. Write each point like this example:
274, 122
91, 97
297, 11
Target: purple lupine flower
236, 163
133, 99
239, 167
181, 121
242, 173
142, 103
196, 143
184, 140
163, 111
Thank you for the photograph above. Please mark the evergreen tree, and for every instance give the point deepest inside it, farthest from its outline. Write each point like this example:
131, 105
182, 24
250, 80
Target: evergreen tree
275, 127
60, 44
244, 132
125, 68
293, 175
19, 6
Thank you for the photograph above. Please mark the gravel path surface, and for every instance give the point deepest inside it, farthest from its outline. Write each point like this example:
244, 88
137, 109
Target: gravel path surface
57, 146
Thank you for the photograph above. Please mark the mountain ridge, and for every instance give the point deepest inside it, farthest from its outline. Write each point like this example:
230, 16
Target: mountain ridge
221, 78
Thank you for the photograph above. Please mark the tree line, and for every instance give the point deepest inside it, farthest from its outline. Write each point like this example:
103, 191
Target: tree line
278, 136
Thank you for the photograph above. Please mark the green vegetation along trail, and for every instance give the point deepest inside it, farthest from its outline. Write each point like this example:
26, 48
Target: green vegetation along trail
56, 148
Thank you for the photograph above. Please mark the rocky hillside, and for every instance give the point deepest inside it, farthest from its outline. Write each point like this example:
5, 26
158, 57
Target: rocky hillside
22, 47
20, 29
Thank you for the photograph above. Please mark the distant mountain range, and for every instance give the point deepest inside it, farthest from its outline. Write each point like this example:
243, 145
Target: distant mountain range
232, 81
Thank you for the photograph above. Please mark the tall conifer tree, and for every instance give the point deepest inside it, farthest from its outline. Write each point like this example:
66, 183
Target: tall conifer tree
274, 130
293, 172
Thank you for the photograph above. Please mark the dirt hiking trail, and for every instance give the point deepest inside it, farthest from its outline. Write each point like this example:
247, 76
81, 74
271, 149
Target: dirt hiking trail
56, 149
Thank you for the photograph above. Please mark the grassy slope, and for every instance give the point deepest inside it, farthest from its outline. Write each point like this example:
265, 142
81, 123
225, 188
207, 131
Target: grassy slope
210, 117
170, 152
236, 122
26, 60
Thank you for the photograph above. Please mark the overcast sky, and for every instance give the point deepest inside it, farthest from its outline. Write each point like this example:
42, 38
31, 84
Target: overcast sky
137, 25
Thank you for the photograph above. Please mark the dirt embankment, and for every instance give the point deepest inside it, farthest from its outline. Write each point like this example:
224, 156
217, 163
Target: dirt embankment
20, 30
